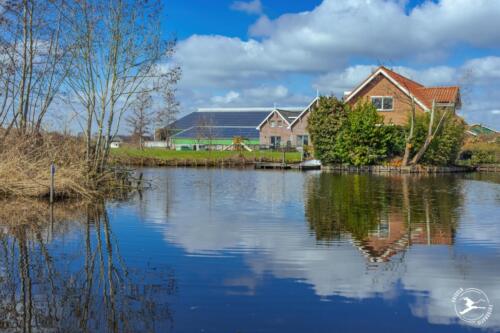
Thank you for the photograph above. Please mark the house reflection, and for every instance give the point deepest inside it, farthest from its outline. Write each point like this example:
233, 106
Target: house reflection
397, 211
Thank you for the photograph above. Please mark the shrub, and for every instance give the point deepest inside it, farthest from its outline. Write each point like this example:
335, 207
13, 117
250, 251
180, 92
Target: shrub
482, 157
324, 126
366, 140
357, 136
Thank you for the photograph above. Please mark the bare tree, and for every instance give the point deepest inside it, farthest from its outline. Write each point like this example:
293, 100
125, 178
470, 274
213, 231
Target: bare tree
34, 64
120, 53
431, 130
141, 118
167, 114
205, 130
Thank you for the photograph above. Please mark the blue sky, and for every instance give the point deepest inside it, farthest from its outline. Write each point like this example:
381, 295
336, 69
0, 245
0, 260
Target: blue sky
261, 52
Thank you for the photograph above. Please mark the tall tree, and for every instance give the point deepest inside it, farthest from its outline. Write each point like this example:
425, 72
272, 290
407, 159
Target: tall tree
35, 62
120, 53
141, 118
167, 114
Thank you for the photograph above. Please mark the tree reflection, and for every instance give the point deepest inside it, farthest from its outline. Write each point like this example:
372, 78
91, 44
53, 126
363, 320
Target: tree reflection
62, 271
384, 214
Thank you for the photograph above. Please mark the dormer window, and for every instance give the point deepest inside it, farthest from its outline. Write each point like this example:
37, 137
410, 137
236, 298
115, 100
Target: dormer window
383, 103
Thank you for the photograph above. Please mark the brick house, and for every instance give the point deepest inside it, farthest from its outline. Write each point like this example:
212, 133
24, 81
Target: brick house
392, 94
286, 127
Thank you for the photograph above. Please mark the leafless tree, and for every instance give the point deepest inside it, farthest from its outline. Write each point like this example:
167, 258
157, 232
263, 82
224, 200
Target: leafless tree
35, 61
141, 118
205, 130
167, 114
120, 53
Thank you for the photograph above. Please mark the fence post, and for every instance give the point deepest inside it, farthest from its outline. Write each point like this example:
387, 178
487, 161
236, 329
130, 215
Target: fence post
52, 176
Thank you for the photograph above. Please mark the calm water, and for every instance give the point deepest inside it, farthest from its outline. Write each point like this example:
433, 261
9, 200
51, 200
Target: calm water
255, 251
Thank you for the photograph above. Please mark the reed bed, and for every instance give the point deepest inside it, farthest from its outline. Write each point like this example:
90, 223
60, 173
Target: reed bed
25, 167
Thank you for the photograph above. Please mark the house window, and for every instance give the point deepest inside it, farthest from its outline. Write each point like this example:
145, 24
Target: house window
273, 124
302, 140
280, 123
383, 103
275, 141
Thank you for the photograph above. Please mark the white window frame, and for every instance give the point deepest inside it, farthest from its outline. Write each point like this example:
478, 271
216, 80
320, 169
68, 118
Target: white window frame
382, 97
273, 124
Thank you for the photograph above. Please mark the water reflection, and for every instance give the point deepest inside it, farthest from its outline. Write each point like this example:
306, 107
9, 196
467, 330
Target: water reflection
61, 270
255, 251
384, 214
407, 238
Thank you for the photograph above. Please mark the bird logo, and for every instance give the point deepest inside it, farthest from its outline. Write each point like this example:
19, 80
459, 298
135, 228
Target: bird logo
472, 305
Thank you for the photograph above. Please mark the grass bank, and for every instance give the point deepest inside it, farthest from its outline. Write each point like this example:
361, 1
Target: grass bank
162, 157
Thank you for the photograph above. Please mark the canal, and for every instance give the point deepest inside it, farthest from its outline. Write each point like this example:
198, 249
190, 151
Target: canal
227, 250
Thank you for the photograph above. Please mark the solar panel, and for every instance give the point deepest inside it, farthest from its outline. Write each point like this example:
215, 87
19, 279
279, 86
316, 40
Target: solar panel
226, 118
219, 133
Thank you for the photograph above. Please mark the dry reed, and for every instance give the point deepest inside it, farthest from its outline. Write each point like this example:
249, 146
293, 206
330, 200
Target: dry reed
25, 167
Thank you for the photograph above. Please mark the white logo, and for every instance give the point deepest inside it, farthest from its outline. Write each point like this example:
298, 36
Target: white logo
472, 305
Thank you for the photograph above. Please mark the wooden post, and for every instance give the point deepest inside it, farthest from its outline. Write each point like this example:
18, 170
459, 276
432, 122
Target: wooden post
52, 176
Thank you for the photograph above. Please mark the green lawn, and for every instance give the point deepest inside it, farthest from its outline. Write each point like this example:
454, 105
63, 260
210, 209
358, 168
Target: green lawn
165, 155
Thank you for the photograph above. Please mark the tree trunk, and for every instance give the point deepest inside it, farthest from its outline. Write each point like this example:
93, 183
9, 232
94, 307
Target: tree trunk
408, 145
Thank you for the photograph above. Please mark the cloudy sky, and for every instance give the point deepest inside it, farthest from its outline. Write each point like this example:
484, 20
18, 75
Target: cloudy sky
262, 52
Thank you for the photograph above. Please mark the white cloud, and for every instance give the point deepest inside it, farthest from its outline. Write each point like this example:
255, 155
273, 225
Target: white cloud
495, 111
249, 7
322, 42
227, 98
484, 70
263, 95
326, 37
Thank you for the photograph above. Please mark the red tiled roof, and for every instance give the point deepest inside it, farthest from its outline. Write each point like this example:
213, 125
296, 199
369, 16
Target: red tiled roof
425, 94
441, 94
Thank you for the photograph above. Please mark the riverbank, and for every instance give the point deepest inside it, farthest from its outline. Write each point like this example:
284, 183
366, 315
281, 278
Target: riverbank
399, 169
128, 156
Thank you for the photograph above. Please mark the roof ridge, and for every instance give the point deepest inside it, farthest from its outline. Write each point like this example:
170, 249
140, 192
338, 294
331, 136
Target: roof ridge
438, 87
400, 75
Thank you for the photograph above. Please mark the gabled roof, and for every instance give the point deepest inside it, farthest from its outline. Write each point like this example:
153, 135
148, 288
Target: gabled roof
303, 112
424, 96
288, 115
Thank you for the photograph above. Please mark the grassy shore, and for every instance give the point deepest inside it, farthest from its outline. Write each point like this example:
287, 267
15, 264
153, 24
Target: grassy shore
163, 157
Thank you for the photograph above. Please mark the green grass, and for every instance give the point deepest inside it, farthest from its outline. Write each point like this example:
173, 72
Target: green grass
126, 153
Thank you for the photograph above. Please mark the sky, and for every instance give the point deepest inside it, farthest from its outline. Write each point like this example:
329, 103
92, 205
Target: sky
282, 52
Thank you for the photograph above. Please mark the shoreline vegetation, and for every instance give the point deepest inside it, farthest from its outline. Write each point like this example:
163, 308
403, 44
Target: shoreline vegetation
26, 162
25, 166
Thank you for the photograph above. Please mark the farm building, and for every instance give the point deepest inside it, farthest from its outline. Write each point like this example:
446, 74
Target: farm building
219, 127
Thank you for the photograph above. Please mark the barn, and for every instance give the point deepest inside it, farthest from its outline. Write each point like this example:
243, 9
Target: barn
219, 127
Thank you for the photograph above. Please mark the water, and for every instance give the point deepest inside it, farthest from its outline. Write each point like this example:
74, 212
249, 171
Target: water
213, 250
